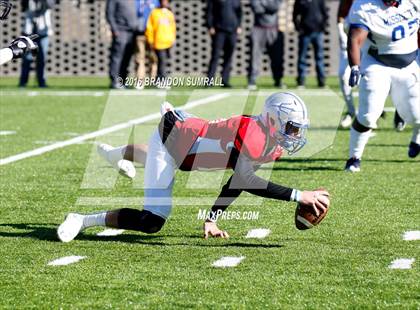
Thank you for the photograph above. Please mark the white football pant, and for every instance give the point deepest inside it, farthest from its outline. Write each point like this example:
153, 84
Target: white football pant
159, 177
377, 82
343, 76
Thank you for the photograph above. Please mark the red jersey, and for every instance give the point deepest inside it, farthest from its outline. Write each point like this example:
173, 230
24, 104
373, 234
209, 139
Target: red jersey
202, 144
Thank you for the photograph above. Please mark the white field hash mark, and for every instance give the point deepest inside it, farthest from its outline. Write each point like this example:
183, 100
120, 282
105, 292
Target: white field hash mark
412, 235
110, 232
104, 131
228, 261
67, 260
259, 233
401, 263
7, 132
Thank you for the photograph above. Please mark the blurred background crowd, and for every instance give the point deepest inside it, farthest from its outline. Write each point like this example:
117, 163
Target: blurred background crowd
152, 38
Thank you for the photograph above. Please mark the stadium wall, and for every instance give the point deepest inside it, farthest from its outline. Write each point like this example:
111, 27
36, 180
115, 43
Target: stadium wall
80, 45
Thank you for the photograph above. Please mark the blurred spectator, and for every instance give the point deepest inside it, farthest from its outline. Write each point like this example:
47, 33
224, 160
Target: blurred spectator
310, 19
143, 50
37, 14
161, 34
266, 36
223, 22
122, 18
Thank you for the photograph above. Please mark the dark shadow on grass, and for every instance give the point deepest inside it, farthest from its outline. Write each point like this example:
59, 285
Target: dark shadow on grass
48, 232
387, 145
343, 160
314, 168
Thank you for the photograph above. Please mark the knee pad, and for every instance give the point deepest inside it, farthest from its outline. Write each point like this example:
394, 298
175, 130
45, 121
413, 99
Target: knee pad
144, 221
359, 127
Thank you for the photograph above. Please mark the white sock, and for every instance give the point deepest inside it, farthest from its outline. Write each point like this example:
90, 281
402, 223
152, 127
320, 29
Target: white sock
358, 141
95, 219
116, 154
416, 134
350, 105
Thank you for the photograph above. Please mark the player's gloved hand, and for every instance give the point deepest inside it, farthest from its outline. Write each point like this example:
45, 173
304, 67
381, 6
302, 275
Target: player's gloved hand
21, 46
354, 76
211, 229
317, 199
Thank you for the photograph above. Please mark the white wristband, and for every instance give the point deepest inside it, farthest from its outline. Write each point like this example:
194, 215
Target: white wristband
296, 195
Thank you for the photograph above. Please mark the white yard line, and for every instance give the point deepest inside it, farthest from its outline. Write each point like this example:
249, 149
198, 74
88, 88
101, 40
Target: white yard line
258, 233
67, 260
401, 263
110, 232
228, 261
412, 235
104, 131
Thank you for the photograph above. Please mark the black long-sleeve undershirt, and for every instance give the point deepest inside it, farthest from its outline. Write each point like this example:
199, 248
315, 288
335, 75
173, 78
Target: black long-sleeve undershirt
245, 179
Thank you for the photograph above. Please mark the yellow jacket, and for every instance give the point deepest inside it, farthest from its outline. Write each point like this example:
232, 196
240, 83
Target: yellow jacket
161, 29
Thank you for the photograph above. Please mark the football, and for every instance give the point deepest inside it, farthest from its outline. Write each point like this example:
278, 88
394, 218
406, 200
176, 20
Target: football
305, 218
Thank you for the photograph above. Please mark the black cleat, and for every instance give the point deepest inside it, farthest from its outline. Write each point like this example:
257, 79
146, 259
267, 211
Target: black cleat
413, 150
353, 165
399, 123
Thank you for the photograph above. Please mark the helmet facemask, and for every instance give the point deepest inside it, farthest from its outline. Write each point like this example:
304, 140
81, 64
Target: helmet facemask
5, 7
292, 136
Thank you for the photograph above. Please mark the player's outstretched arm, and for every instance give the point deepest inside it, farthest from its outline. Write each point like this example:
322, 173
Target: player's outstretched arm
245, 178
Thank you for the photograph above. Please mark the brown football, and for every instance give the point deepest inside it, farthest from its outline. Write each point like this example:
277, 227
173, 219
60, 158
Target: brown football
305, 217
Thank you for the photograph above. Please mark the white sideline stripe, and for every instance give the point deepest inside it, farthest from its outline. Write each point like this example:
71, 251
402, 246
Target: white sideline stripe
7, 132
67, 260
412, 235
86, 93
401, 263
176, 201
44, 142
389, 109
110, 232
105, 131
259, 233
304, 221
228, 261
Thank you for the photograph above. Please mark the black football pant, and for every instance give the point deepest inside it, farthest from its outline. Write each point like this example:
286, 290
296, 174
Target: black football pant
268, 40
163, 58
222, 42
122, 49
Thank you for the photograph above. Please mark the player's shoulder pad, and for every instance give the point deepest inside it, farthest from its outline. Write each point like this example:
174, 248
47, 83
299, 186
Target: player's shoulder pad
361, 12
250, 139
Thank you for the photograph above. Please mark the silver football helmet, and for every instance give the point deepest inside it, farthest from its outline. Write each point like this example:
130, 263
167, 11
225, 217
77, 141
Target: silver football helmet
286, 118
5, 7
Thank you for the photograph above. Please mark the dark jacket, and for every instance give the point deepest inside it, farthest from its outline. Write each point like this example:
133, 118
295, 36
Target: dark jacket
310, 16
122, 15
266, 12
225, 15
46, 4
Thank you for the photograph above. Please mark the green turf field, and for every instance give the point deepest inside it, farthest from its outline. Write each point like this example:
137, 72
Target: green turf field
343, 263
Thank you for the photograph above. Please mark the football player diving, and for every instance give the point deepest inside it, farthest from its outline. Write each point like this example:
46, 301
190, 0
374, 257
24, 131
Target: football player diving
183, 141
19, 46
388, 33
